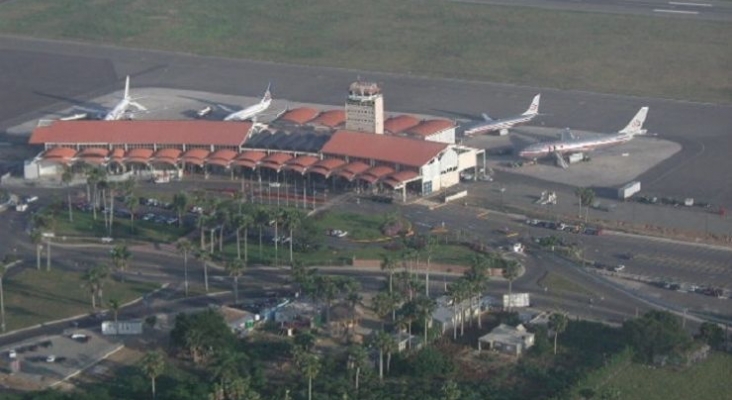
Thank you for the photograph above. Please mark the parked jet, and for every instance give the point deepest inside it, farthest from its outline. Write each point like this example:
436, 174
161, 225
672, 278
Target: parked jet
250, 112
568, 143
503, 125
119, 111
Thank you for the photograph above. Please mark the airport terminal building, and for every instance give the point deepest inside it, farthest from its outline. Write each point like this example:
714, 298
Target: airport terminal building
408, 155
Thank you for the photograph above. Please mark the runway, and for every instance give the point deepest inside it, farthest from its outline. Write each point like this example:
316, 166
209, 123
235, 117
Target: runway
707, 10
40, 76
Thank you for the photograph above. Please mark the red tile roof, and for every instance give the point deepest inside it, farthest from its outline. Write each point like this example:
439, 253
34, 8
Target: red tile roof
400, 123
60, 154
351, 170
397, 178
217, 133
117, 154
331, 119
168, 156
139, 155
275, 160
393, 149
327, 166
301, 163
195, 156
376, 173
431, 127
299, 115
93, 152
221, 157
249, 159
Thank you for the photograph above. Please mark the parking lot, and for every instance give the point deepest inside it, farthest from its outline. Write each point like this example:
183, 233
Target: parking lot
43, 362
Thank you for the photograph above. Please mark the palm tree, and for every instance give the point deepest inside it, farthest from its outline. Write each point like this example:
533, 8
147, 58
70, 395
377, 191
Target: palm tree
114, 305
93, 279
242, 222
180, 204
261, 219
385, 344
458, 292
357, 359
153, 364
477, 277
428, 245
132, 203
3, 269
66, 177
408, 314
36, 237
424, 307
223, 218
558, 323
205, 257
94, 175
120, 257
510, 272
309, 365
235, 268
383, 304
184, 246
389, 264
327, 290
292, 221
277, 216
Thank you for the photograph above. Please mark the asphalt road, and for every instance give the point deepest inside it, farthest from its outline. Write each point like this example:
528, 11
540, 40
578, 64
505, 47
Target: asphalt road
707, 10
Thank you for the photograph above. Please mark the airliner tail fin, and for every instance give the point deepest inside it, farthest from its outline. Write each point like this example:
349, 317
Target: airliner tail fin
635, 126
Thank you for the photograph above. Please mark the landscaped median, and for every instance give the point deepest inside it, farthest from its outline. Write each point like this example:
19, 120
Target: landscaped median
33, 297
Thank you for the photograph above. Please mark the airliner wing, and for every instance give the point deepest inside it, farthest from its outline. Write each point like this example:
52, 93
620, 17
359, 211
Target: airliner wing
227, 109
90, 110
567, 135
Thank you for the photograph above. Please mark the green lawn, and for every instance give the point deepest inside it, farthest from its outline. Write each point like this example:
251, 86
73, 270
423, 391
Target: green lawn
84, 225
33, 297
557, 283
359, 226
707, 380
640, 55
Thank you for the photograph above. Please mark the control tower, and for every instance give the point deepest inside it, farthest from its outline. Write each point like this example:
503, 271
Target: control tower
365, 108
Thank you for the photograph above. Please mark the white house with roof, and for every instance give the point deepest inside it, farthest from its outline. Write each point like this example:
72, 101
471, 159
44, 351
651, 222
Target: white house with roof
507, 339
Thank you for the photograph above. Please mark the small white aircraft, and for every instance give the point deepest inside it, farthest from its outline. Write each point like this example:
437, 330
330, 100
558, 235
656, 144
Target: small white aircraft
250, 112
119, 111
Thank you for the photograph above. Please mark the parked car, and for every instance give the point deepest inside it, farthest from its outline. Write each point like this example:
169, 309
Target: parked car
51, 358
12, 354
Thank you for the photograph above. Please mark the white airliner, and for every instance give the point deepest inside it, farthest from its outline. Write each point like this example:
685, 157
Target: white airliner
503, 125
119, 111
250, 112
570, 144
